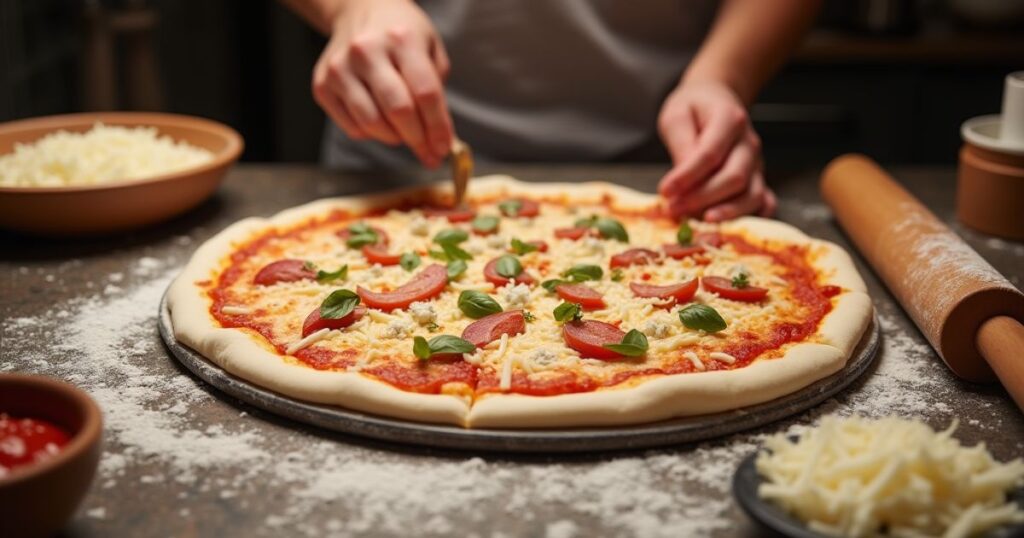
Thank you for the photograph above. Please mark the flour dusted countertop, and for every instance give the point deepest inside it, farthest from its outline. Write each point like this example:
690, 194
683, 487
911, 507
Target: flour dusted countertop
181, 460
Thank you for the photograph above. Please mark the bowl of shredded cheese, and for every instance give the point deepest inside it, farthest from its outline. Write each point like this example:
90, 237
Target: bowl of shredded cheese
95, 173
857, 477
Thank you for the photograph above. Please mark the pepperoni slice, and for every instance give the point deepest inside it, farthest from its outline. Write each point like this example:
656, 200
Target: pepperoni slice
724, 288
453, 214
379, 254
490, 328
284, 271
571, 233
587, 297
713, 239
314, 322
527, 208
492, 276
426, 284
382, 236
678, 252
680, 292
634, 256
589, 337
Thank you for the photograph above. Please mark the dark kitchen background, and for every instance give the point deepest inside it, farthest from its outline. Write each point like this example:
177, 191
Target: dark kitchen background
893, 79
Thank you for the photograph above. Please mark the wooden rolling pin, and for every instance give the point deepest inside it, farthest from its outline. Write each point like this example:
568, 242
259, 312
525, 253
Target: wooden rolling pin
969, 313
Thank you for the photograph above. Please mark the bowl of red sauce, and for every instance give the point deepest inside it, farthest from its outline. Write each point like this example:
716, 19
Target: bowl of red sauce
50, 437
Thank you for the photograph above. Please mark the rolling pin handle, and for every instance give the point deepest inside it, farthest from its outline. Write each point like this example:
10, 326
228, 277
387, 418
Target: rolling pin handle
1001, 341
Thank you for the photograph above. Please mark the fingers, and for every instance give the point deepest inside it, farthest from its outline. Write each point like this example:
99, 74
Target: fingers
770, 204
678, 131
730, 180
746, 203
424, 84
334, 107
715, 139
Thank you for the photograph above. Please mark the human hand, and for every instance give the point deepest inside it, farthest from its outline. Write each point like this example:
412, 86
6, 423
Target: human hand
716, 155
380, 77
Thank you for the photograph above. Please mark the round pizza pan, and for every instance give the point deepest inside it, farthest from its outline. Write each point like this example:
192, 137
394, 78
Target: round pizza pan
590, 439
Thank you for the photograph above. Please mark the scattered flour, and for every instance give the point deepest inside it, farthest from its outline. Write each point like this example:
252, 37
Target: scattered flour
191, 449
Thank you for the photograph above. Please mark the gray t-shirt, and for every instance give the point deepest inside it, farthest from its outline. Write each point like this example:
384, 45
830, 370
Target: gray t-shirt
551, 80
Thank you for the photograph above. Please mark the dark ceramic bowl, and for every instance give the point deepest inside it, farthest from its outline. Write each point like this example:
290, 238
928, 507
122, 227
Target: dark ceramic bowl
39, 499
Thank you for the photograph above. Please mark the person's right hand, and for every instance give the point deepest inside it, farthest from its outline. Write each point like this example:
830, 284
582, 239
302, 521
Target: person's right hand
380, 77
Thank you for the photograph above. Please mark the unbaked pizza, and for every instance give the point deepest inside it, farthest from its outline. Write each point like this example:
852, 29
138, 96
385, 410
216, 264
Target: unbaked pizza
535, 305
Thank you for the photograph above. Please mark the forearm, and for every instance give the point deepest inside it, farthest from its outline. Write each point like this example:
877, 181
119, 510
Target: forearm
748, 42
320, 14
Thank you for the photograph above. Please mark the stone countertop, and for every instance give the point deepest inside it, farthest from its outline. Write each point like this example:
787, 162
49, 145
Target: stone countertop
183, 460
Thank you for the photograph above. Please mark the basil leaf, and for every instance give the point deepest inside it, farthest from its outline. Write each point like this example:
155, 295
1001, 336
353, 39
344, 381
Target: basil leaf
617, 275
477, 304
338, 304
520, 248
740, 281
327, 276
634, 344
508, 266
357, 240
568, 312
528, 316
309, 266
360, 228
432, 327
420, 347
702, 317
409, 261
583, 272
510, 208
485, 223
453, 252
684, 234
446, 343
452, 236
437, 255
611, 229
550, 285
585, 223
455, 268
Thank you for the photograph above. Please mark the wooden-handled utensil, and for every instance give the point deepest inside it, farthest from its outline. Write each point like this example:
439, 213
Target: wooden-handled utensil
969, 313
462, 168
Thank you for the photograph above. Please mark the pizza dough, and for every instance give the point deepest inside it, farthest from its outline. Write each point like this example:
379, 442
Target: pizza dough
613, 392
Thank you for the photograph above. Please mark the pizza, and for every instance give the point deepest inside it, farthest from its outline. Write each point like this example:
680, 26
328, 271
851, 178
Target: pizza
536, 305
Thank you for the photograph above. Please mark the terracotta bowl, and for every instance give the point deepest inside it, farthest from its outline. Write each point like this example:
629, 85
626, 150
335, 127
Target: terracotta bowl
39, 499
121, 205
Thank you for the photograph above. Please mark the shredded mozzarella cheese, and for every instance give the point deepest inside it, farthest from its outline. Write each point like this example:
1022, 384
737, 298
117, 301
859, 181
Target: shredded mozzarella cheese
307, 341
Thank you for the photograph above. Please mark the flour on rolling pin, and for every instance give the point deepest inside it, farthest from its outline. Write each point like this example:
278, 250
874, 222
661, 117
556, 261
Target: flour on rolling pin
945, 286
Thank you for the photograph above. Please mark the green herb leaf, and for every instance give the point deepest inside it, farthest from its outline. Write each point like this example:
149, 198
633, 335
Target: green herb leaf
357, 240
611, 229
684, 234
702, 317
477, 304
338, 304
327, 276
432, 327
617, 275
421, 348
360, 228
634, 344
583, 272
740, 281
437, 255
455, 268
510, 208
508, 266
453, 252
528, 316
586, 222
452, 236
309, 266
568, 312
409, 261
520, 247
550, 285
485, 223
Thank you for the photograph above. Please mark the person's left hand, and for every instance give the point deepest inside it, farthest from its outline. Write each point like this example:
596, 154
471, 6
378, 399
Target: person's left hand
716, 155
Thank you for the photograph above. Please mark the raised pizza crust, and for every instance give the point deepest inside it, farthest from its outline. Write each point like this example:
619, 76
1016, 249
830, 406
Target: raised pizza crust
248, 357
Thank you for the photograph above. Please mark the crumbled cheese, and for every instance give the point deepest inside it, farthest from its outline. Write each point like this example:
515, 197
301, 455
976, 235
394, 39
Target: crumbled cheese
496, 241
422, 312
590, 246
419, 226
397, 328
375, 270
543, 358
655, 328
517, 297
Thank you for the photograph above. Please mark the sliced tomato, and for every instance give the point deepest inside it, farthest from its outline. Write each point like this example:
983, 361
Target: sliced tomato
314, 322
713, 239
678, 252
587, 297
492, 276
379, 254
284, 271
724, 288
453, 214
680, 292
527, 208
589, 337
382, 236
427, 284
571, 233
634, 256
490, 328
